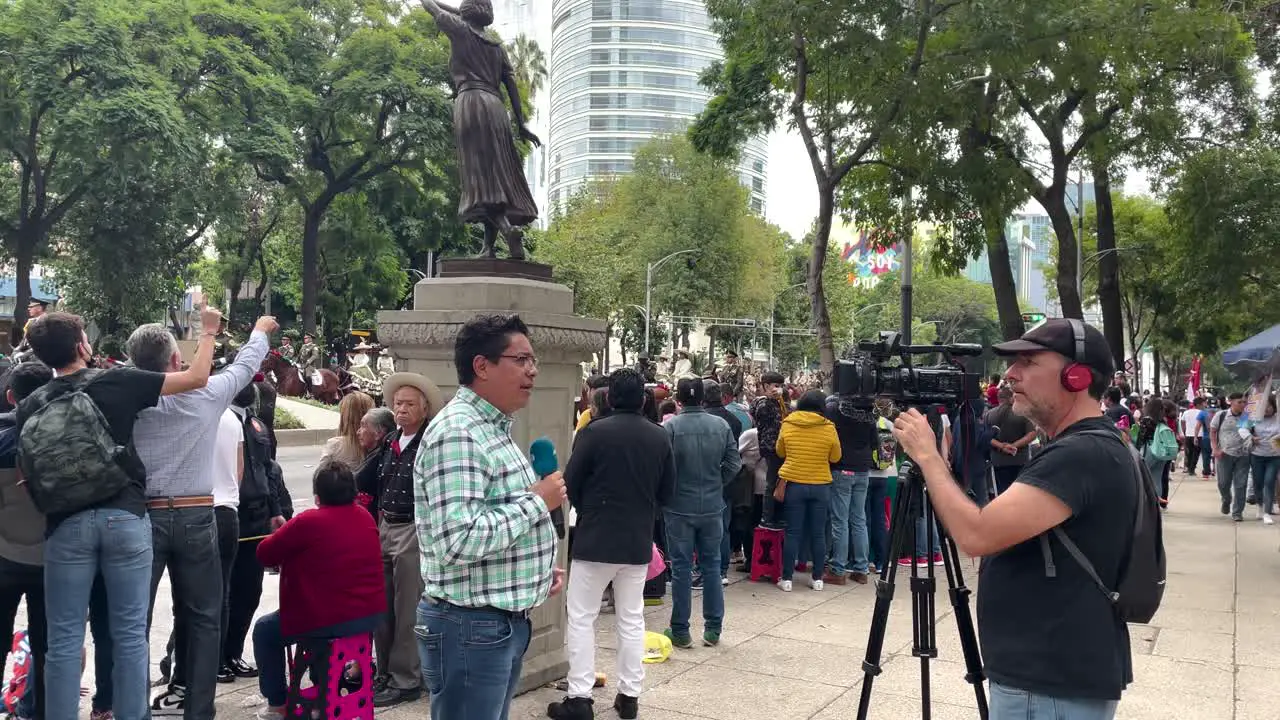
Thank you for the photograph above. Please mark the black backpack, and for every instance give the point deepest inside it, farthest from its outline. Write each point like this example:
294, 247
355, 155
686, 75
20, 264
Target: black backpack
66, 452
1143, 572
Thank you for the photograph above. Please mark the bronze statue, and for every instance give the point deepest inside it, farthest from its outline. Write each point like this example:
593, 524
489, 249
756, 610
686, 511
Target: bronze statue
494, 190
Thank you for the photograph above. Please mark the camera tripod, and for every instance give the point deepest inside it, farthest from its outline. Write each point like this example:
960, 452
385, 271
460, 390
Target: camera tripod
912, 503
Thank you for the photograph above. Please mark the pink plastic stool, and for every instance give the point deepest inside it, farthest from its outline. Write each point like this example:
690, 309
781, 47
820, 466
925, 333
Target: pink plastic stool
766, 554
326, 660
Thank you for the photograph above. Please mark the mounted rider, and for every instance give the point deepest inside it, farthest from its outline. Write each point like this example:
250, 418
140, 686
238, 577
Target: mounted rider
287, 350
310, 360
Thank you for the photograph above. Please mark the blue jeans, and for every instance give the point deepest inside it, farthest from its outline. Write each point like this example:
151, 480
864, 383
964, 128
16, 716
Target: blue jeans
805, 509
687, 534
877, 533
116, 543
725, 551
1013, 704
849, 521
922, 540
471, 659
1265, 468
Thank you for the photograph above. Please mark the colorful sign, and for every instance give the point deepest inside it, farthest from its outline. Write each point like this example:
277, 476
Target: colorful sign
872, 254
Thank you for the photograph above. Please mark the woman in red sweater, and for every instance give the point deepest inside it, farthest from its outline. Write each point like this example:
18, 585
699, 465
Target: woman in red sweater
331, 585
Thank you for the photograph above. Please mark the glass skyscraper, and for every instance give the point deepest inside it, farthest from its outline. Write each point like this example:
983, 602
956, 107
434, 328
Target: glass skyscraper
623, 72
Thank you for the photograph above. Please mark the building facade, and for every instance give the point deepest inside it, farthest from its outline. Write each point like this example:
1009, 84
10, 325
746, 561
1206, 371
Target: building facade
622, 73
1030, 237
531, 18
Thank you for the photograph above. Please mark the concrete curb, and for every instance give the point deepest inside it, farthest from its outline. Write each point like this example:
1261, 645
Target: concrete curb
302, 438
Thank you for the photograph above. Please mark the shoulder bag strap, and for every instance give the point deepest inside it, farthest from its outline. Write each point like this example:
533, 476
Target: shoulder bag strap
1074, 550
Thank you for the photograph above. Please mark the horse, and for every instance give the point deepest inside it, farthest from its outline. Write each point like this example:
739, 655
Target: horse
289, 383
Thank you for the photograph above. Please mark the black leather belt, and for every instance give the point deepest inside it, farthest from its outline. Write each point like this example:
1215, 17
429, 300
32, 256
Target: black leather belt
515, 614
396, 518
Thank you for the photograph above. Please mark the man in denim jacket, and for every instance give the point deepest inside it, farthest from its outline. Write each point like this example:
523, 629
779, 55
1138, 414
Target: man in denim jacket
707, 460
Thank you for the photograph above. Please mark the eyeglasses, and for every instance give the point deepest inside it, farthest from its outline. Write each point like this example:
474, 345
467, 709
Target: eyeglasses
524, 361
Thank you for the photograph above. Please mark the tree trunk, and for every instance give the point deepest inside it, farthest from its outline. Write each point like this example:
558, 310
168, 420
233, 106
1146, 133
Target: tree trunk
311, 259
1108, 263
817, 293
1155, 370
1007, 307
604, 357
1064, 228
24, 259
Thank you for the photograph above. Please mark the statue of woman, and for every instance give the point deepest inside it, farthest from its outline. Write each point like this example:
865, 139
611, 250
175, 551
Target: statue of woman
494, 190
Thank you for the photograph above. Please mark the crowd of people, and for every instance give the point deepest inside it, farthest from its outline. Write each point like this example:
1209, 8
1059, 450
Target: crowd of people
434, 534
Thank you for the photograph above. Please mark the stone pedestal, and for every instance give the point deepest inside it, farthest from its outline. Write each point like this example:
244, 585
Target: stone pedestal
421, 341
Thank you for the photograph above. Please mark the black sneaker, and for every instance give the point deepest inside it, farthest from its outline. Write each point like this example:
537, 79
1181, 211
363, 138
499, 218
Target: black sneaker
170, 702
626, 706
1226, 507
242, 669
226, 674
571, 708
697, 582
380, 683
391, 697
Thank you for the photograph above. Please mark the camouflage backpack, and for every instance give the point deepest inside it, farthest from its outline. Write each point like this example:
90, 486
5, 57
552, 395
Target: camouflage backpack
66, 453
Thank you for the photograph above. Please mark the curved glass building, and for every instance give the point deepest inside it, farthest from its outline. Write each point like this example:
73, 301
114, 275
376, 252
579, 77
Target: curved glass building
623, 72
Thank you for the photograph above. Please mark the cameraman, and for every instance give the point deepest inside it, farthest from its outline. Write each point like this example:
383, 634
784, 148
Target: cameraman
1079, 662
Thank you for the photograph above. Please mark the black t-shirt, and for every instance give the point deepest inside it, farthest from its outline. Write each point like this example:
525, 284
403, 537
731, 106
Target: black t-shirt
1013, 427
1061, 636
121, 393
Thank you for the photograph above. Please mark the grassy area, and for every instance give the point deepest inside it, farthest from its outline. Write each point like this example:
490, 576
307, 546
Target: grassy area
312, 402
286, 420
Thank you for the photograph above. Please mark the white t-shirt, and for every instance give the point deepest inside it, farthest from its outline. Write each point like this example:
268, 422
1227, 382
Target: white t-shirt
1188, 421
226, 454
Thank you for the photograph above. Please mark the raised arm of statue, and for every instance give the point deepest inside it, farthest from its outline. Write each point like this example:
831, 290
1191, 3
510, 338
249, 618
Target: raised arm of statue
436, 9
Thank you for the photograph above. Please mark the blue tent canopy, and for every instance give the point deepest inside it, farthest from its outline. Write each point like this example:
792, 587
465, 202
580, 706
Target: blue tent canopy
40, 289
1257, 355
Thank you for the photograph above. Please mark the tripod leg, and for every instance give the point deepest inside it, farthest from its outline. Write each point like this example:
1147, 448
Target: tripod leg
924, 620
901, 523
974, 672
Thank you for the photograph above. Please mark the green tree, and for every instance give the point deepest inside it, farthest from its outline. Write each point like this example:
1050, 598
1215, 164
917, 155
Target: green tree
530, 65
1224, 218
86, 93
327, 97
840, 74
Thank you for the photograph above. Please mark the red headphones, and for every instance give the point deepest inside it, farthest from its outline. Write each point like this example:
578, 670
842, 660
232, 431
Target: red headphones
1076, 376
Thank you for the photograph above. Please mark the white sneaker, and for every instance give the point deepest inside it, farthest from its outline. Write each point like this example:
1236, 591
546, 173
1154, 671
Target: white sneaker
784, 585
1266, 520
724, 581
815, 584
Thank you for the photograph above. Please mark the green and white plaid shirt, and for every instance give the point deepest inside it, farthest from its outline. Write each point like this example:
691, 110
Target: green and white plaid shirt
485, 540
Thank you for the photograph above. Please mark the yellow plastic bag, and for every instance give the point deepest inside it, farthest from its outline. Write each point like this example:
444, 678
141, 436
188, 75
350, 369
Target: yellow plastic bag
657, 647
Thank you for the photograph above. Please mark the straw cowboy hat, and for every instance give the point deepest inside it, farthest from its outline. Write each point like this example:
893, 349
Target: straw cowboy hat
362, 346
395, 381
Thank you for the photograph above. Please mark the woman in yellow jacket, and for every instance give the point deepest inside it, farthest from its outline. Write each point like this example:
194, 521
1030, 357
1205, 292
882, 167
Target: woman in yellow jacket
807, 445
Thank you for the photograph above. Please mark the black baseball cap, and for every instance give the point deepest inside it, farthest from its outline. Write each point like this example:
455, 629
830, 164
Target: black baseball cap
1059, 336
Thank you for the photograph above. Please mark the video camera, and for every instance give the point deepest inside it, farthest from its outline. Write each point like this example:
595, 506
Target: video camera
872, 374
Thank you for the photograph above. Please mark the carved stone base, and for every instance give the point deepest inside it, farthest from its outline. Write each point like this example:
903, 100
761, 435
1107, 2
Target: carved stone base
494, 267
421, 340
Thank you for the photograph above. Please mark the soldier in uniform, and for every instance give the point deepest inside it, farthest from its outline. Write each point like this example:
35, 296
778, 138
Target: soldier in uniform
309, 355
287, 350
731, 374
646, 369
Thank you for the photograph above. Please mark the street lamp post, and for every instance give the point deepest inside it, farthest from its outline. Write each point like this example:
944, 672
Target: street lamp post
861, 310
773, 320
648, 291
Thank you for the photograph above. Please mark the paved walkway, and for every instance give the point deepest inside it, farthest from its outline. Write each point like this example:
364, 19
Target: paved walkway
1208, 655
312, 417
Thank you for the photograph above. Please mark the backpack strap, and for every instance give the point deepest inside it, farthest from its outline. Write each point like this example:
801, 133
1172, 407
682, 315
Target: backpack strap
1050, 569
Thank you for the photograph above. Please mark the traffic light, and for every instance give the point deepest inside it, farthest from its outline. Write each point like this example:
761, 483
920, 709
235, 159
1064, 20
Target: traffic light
1033, 318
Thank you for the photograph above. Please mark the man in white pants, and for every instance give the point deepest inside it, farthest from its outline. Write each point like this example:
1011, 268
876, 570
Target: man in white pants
621, 472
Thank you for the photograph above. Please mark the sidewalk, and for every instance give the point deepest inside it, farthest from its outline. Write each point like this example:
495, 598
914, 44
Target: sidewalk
312, 417
1208, 655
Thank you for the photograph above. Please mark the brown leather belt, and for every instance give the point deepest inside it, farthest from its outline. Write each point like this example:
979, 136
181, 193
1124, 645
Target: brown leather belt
171, 503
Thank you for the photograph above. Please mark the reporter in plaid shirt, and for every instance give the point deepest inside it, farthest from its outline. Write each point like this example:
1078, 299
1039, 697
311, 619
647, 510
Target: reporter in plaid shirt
484, 526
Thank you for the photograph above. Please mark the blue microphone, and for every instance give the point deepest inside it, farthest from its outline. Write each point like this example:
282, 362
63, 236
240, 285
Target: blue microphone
542, 454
